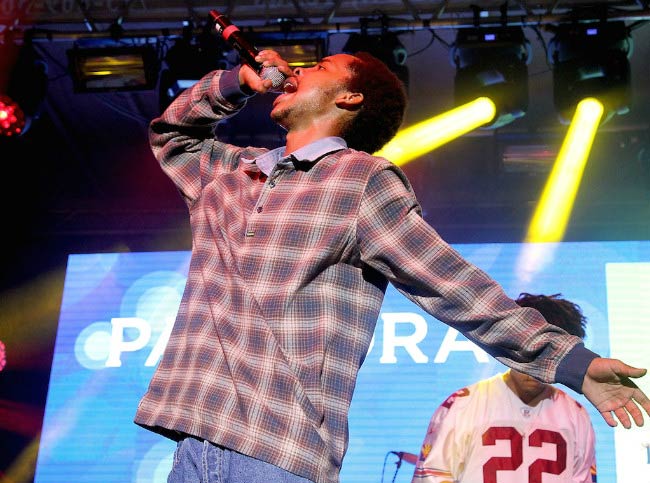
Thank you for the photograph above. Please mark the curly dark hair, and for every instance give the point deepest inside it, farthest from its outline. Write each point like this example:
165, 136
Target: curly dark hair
383, 107
557, 311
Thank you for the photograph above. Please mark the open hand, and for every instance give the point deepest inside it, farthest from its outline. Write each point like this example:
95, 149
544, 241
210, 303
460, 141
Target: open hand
607, 385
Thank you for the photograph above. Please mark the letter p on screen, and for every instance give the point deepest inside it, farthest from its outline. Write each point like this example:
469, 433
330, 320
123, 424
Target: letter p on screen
120, 326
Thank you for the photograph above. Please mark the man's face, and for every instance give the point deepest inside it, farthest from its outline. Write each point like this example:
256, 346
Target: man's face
311, 92
525, 386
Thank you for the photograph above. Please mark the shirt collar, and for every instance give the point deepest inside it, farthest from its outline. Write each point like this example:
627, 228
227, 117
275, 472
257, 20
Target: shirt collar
313, 151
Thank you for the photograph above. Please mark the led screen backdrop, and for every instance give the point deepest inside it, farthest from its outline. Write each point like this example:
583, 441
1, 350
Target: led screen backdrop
117, 310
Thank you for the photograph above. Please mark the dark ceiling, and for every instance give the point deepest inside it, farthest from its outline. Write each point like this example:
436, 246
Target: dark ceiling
87, 180
82, 13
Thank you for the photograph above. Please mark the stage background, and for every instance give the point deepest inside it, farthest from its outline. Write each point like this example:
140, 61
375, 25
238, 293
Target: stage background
117, 310
83, 179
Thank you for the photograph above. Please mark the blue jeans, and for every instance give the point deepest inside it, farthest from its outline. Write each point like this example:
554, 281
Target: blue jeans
197, 461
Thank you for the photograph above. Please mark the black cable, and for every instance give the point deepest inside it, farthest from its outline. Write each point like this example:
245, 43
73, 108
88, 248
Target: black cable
383, 468
398, 464
429, 44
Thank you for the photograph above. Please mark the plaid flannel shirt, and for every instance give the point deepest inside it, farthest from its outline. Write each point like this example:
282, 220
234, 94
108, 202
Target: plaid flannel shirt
286, 281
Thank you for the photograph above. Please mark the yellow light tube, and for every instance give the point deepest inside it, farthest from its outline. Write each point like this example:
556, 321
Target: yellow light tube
554, 208
427, 135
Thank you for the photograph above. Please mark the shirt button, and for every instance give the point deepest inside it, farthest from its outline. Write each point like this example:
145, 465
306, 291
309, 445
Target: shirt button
259, 209
272, 183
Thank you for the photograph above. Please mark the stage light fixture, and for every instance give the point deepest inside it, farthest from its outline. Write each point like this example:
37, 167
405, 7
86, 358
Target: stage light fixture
493, 63
113, 67
23, 84
591, 60
12, 118
385, 45
427, 135
297, 51
188, 59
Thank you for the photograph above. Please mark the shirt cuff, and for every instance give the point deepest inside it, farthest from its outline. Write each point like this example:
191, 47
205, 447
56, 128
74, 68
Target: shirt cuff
572, 369
230, 89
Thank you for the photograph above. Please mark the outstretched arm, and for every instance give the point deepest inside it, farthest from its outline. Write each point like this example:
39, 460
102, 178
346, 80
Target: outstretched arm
608, 386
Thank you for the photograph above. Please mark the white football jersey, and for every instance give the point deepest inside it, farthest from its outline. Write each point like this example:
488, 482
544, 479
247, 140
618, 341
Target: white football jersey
485, 434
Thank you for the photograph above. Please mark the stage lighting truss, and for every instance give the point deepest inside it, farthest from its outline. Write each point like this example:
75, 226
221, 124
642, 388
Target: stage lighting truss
191, 57
112, 66
492, 63
591, 60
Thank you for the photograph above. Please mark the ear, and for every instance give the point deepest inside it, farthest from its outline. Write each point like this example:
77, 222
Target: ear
349, 100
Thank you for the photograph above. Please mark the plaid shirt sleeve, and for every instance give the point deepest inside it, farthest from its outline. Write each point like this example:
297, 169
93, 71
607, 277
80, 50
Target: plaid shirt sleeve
183, 137
398, 242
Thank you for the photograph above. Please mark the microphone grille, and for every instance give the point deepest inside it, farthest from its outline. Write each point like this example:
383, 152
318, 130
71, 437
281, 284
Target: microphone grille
272, 73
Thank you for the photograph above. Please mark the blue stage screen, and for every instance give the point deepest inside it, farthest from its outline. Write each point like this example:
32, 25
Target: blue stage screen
117, 311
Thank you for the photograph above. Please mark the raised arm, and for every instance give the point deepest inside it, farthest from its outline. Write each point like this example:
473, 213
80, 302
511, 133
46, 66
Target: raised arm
433, 275
183, 137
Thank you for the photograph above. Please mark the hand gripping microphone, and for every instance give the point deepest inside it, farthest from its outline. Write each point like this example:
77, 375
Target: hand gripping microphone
245, 49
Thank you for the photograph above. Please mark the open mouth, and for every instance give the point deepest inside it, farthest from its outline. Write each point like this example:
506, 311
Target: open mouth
290, 85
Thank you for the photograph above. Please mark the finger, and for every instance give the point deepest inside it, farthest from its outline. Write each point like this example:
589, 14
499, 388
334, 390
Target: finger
285, 69
637, 397
607, 416
269, 57
640, 397
636, 372
623, 417
627, 370
266, 53
635, 412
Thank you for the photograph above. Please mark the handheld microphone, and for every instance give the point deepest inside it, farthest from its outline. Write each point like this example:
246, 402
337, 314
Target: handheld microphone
247, 51
406, 456
399, 454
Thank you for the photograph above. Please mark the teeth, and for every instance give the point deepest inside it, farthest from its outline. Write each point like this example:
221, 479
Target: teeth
289, 86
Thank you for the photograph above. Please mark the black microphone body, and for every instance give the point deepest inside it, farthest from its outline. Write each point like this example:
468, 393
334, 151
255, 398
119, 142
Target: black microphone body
406, 456
247, 51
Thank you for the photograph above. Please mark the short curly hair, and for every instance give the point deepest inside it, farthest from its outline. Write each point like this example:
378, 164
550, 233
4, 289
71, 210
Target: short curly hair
557, 311
384, 104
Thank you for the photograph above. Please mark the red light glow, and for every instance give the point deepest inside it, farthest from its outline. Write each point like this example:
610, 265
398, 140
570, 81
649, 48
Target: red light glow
12, 118
3, 356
